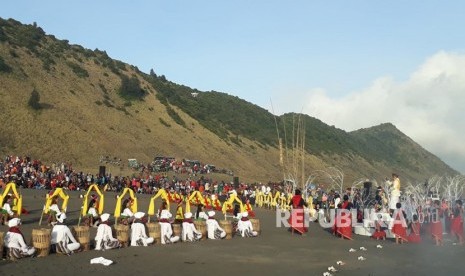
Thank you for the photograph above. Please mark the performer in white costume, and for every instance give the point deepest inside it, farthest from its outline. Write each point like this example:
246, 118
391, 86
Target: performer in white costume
62, 238
104, 238
214, 231
244, 226
189, 232
14, 241
138, 235
395, 192
165, 228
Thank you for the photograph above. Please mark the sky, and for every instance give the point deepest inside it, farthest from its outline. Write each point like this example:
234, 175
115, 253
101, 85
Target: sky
352, 64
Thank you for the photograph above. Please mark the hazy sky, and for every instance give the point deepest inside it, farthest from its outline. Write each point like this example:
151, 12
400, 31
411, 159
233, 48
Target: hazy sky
352, 64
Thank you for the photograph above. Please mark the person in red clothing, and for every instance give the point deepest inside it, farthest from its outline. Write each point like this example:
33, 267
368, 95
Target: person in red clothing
436, 224
456, 227
379, 232
415, 227
297, 219
344, 219
399, 229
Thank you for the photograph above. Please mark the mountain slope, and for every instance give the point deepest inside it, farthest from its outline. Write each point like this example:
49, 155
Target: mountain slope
91, 105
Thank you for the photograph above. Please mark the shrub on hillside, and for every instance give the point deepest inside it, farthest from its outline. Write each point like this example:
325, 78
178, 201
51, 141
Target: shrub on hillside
130, 88
78, 70
34, 100
4, 67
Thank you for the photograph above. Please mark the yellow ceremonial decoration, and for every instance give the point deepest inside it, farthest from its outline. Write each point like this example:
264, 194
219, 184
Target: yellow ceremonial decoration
274, 202
228, 204
260, 198
268, 200
195, 198
18, 201
283, 202
161, 193
86, 196
49, 199
206, 201
117, 213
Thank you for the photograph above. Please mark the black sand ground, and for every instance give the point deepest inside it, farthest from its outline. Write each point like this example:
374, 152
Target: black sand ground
275, 252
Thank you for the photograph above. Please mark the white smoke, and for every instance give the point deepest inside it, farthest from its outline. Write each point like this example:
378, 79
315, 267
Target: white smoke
429, 107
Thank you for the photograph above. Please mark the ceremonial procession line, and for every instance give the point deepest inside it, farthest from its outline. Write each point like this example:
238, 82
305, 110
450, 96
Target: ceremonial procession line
131, 227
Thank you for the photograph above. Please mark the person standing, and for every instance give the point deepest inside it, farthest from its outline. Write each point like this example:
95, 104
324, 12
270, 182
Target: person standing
436, 224
457, 221
395, 192
399, 226
297, 219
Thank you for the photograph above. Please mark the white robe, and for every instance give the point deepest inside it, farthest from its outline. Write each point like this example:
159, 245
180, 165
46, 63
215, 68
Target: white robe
139, 236
7, 208
55, 208
92, 212
62, 234
105, 236
167, 233
189, 233
16, 241
212, 227
127, 213
246, 228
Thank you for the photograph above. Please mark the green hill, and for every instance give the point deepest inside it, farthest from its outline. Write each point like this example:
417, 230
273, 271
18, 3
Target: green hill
63, 102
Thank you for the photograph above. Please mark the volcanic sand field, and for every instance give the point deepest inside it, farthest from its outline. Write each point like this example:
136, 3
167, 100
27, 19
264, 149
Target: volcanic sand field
274, 252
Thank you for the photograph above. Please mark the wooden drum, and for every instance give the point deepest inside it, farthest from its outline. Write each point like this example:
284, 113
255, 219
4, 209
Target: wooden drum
153, 228
122, 234
227, 227
82, 235
256, 225
41, 241
177, 229
201, 226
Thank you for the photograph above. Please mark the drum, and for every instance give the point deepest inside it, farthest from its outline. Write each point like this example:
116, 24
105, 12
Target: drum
227, 227
82, 235
153, 228
41, 241
122, 234
177, 229
256, 225
201, 226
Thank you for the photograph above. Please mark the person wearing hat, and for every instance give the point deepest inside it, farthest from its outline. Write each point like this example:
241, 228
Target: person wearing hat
166, 231
189, 232
138, 235
244, 226
63, 240
214, 231
14, 241
7, 213
54, 211
104, 238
